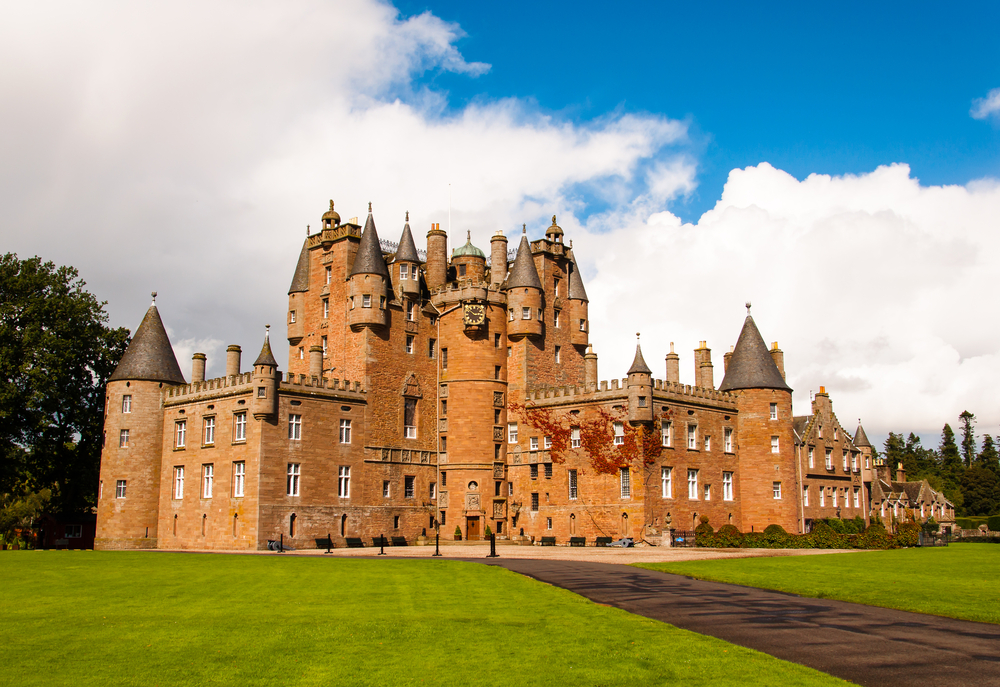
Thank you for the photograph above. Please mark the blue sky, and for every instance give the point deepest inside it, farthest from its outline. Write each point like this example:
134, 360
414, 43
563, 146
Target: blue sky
831, 88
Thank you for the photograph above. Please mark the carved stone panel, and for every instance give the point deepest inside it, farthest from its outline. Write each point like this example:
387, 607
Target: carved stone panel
498, 508
497, 433
385, 455
425, 457
406, 455
472, 501
443, 424
498, 470
443, 499
498, 399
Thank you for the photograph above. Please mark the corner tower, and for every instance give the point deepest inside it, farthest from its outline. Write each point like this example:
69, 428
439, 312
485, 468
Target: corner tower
640, 388
369, 281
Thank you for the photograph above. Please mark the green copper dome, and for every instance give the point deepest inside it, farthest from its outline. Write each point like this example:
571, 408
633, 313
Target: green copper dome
468, 249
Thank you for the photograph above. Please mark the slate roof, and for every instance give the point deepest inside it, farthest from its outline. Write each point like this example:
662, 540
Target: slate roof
300, 280
149, 355
576, 290
369, 258
523, 273
407, 250
800, 424
266, 357
860, 438
638, 364
752, 366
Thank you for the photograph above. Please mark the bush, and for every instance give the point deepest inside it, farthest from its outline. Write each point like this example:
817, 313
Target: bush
823, 536
931, 526
728, 537
876, 537
703, 533
993, 523
835, 524
859, 524
489, 532
458, 532
966, 523
907, 534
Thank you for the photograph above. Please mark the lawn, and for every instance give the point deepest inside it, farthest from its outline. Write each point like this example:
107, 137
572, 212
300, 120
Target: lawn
103, 618
958, 581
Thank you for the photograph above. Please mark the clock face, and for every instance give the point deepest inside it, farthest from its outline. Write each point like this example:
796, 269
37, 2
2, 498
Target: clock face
475, 314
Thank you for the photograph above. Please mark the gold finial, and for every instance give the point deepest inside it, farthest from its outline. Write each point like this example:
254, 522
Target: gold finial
331, 204
369, 207
748, 307
553, 220
407, 215
637, 336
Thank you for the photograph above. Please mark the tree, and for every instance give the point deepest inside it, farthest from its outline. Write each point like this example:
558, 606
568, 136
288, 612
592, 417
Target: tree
980, 491
951, 460
988, 457
968, 436
56, 354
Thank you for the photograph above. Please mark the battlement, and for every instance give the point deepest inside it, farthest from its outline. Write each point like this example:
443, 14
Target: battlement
220, 386
468, 289
615, 389
336, 233
292, 382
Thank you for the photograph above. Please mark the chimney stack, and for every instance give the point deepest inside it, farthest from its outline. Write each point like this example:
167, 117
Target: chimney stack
316, 362
703, 366
673, 365
437, 257
590, 368
233, 360
779, 358
725, 361
198, 368
498, 258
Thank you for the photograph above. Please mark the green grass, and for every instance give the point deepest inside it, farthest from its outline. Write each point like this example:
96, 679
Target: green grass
958, 581
96, 618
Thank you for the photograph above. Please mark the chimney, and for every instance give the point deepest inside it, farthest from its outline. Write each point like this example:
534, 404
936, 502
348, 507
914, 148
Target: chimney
725, 361
437, 257
900, 472
233, 360
198, 368
779, 358
498, 258
673, 365
316, 362
703, 366
590, 368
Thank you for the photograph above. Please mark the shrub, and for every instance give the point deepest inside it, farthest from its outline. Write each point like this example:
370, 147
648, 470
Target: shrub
703, 533
931, 526
823, 536
907, 534
728, 537
489, 532
859, 524
835, 524
458, 532
965, 523
876, 537
993, 523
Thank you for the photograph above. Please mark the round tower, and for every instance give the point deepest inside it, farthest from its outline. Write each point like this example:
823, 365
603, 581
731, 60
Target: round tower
406, 264
498, 258
469, 261
524, 295
264, 403
578, 305
369, 281
437, 257
640, 388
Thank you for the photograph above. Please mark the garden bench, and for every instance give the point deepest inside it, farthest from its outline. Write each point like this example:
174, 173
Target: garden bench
548, 541
577, 541
324, 543
380, 541
355, 543
399, 541
602, 541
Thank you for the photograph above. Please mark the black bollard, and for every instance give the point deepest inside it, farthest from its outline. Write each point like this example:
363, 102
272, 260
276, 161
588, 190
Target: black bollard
281, 547
329, 543
493, 546
381, 544
437, 543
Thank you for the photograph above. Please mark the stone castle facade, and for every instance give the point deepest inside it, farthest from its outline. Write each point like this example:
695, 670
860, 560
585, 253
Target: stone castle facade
424, 391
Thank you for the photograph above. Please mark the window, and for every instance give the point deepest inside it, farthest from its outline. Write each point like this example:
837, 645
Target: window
179, 482
180, 434
693, 485
776, 489
120, 489
547, 442
572, 484
326, 308
619, 433
510, 351
345, 431
409, 343
812, 462
302, 353
843, 455
408, 486
548, 523
774, 445
444, 358
240, 426
626, 484
431, 343
444, 406
127, 403
525, 313
642, 401
366, 301
410, 308
805, 496
727, 439
666, 482
533, 442
404, 271
510, 488
583, 325
291, 317
834, 492
708, 492
548, 471
209, 431
433, 490
534, 471
329, 274
444, 443
510, 313
558, 351
496, 341
693, 437
556, 285
822, 497
666, 433
292, 484
829, 459
385, 489
534, 502
323, 343
207, 480
496, 372
73, 531
262, 392
461, 270
774, 411
835, 434
555, 319
708, 443
295, 427
123, 439
381, 302
511, 432
727, 486
410, 418
239, 478
541, 314
866, 463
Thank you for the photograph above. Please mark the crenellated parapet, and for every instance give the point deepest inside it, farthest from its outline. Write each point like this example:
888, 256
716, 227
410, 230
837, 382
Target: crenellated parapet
209, 388
617, 390
464, 290
300, 383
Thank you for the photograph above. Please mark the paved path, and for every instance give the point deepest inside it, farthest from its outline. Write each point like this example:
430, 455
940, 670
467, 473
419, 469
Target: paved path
863, 644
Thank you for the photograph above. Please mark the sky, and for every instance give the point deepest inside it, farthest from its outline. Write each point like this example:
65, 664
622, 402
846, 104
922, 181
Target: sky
835, 165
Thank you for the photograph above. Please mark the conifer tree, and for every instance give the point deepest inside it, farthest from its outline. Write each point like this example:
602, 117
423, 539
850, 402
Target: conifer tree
968, 421
988, 457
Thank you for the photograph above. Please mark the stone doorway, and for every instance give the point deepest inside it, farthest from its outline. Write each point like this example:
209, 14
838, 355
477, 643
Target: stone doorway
472, 532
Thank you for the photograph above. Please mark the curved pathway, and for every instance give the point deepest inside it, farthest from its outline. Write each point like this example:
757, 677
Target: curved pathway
863, 644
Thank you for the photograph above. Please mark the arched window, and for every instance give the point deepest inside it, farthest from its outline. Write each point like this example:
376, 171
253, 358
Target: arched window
291, 525
343, 525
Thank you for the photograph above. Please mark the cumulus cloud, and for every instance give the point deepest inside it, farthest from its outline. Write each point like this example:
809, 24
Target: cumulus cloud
986, 107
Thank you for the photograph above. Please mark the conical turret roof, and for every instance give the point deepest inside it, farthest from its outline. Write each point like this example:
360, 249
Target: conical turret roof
860, 438
523, 273
407, 250
576, 290
266, 357
752, 366
639, 365
149, 355
369, 258
300, 280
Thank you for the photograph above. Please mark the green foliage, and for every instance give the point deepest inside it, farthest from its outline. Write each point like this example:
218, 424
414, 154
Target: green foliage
18, 512
968, 421
728, 537
703, 532
823, 536
980, 491
56, 354
930, 526
966, 523
488, 532
988, 457
907, 534
458, 532
858, 524
876, 537
993, 523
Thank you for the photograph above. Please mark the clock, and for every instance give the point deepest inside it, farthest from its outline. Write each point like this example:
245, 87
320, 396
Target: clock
475, 314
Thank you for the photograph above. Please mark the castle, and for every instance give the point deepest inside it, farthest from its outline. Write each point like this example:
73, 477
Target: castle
424, 392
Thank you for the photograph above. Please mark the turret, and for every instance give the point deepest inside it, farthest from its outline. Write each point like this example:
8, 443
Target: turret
406, 264
369, 281
264, 403
315, 363
640, 388
297, 297
865, 446
524, 295
469, 262
555, 232
578, 305
437, 257
498, 258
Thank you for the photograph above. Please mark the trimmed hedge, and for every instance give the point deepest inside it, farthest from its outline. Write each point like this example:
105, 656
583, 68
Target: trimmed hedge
823, 536
993, 523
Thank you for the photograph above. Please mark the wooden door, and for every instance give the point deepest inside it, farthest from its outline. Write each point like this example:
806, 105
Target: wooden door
472, 528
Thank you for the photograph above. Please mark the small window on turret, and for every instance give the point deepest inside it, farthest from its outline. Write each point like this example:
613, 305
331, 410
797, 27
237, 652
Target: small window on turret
511, 314
262, 392
461, 270
404, 271
381, 302
291, 317
366, 301
642, 401
583, 325
525, 313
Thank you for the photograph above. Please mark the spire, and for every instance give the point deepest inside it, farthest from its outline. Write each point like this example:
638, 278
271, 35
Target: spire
751, 365
300, 280
266, 357
149, 355
639, 365
860, 438
576, 290
369, 258
523, 273
407, 250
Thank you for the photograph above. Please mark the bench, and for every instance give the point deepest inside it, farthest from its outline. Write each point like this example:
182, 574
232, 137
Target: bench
324, 543
602, 541
380, 541
577, 541
355, 543
399, 541
548, 541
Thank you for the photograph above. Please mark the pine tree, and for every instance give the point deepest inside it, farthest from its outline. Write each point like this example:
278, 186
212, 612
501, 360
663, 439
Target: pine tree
968, 421
988, 457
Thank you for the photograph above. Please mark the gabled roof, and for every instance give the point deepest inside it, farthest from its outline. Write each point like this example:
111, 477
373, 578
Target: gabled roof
638, 364
860, 438
149, 355
300, 280
799, 426
407, 250
523, 273
369, 258
751, 366
576, 290
266, 357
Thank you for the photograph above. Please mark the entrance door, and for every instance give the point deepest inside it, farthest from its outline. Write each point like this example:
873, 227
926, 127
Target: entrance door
472, 528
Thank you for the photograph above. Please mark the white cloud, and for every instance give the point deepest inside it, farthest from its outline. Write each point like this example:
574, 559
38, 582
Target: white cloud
985, 107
